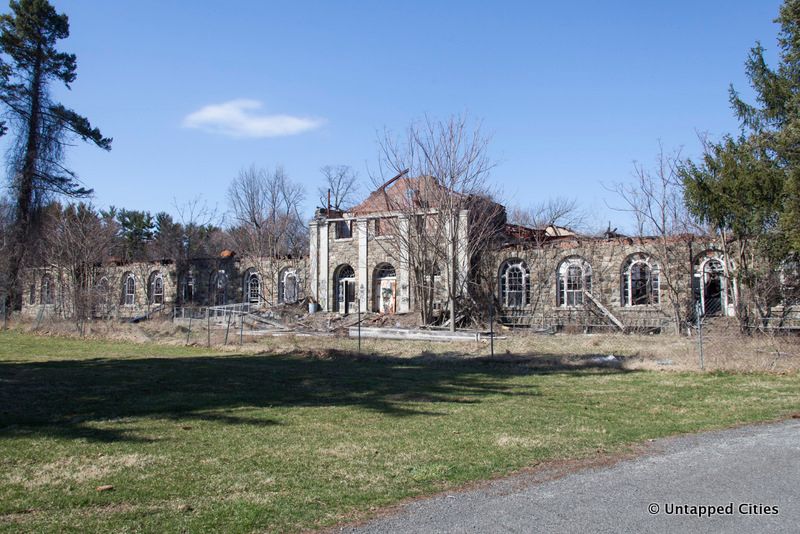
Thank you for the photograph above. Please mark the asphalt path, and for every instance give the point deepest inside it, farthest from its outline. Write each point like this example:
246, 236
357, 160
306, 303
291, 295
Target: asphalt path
740, 480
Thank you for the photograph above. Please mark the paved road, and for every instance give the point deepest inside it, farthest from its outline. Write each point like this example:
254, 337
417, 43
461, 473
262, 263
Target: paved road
752, 467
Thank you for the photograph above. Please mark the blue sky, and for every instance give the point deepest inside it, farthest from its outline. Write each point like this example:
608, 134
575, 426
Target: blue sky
571, 93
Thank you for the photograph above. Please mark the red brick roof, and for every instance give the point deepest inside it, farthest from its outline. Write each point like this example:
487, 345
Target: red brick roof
401, 193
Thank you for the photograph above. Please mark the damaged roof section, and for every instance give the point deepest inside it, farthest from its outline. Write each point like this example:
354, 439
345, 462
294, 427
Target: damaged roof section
403, 193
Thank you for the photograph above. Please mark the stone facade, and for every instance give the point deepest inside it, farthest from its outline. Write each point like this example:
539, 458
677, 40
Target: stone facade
364, 251
365, 260
594, 282
129, 290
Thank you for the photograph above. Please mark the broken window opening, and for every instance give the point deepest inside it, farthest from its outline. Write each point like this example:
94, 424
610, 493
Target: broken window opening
640, 282
343, 229
156, 288
48, 292
384, 288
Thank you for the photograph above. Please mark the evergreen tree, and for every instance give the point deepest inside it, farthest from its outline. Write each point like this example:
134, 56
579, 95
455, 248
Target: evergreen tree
772, 124
137, 230
31, 63
747, 188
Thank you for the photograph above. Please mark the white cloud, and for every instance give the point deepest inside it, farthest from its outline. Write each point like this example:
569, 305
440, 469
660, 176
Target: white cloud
241, 118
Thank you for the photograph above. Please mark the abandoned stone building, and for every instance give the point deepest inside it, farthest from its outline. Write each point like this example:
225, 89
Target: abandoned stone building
550, 277
130, 290
365, 259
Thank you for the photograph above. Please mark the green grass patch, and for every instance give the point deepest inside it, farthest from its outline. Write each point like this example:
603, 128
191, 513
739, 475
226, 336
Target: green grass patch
236, 443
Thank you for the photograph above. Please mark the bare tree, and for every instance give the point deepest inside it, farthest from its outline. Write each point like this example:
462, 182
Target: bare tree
655, 199
448, 203
200, 233
558, 212
266, 222
341, 183
77, 244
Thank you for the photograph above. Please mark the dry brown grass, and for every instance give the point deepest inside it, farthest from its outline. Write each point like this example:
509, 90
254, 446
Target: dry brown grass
724, 348
77, 469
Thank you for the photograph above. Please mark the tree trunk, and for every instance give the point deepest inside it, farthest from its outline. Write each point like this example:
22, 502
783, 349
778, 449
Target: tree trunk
24, 200
452, 288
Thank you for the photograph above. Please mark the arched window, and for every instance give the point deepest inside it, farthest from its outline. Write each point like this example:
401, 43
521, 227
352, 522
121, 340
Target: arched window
574, 277
711, 287
384, 288
515, 283
345, 289
188, 288
252, 287
640, 281
288, 286
789, 280
48, 290
103, 286
155, 288
128, 289
219, 288
102, 304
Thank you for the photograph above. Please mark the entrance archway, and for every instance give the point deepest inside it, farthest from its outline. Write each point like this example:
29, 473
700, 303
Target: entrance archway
345, 289
384, 289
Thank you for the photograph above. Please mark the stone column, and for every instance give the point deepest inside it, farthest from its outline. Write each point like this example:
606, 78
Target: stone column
313, 260
323, 269
404, 293
362, 274
462, 253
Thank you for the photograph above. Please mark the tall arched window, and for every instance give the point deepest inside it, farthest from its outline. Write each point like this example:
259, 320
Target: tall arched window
188, 288
789, 279
713, 287
103, 297
515, 283
155, 288
640, 281
344, 288
253, 287
288, 286
48, 290
574, 277
128, 289
219, 288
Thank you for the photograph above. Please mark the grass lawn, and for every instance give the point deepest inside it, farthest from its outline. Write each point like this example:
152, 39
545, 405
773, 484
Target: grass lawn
197, 442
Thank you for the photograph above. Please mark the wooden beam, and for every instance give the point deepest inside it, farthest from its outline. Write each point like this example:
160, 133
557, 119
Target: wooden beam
604, 310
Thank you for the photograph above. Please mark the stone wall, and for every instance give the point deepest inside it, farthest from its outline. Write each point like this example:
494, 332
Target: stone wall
607, 259
202, 282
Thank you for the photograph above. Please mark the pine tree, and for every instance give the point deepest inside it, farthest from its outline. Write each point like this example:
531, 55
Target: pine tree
772, 124
747, 188
31, 63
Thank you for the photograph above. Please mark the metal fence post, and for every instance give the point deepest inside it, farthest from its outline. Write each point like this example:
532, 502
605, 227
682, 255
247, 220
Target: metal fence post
491, 326
228, 327
698, 310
